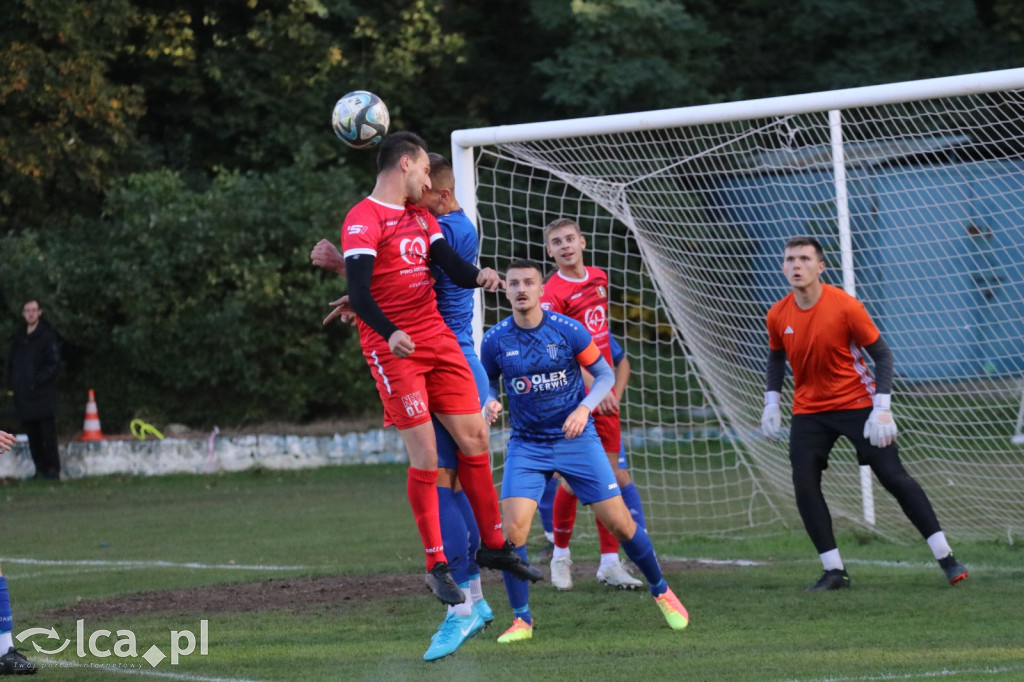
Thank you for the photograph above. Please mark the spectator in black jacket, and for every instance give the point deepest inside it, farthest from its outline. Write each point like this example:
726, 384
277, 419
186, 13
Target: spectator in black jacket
32, 366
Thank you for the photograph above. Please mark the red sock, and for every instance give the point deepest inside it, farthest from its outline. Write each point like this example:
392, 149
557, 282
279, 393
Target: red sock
421, 486
609, 543
476, 479
563, 516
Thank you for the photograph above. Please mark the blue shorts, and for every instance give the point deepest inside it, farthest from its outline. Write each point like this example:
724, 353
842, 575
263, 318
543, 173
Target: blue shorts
623, 462
446, 449
580, 461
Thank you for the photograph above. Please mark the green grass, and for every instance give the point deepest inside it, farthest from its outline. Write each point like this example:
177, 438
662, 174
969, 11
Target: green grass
900, 620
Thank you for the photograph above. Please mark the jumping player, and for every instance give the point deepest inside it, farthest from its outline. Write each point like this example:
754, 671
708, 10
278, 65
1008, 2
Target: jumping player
389, 244
581, 292
540, 356
459, 531
12, 662
822, 331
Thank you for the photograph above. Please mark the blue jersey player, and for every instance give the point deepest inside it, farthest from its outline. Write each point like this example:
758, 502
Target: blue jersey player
458, 525
539, 356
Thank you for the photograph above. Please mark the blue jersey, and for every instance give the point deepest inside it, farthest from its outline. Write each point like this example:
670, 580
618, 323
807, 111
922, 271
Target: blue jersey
542, 377
454, 302
617, 352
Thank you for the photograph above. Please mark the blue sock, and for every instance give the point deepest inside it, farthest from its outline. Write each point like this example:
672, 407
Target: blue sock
462, 502
547, 501
518, 591
6, 619
453, 534
636, 508
641, 551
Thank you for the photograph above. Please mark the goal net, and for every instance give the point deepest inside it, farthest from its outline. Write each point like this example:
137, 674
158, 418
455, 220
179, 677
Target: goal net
916, 191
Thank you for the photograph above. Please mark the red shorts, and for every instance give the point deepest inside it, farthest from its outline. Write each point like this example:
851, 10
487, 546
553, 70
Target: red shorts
609, 428
435, 378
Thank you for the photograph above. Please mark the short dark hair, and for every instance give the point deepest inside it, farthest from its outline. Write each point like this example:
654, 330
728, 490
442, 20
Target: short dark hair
807, 241
441, 173
396, 145
525, 264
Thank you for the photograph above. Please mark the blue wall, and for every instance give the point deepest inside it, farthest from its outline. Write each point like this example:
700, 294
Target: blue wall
938, 255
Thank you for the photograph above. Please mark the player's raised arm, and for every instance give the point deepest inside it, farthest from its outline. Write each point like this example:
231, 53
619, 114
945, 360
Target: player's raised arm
462, 272
326, 255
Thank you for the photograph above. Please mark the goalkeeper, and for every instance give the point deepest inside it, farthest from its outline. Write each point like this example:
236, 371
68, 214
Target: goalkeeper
822, 330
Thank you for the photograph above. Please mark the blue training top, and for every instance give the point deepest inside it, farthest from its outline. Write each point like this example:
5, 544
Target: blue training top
454, 302
542, 377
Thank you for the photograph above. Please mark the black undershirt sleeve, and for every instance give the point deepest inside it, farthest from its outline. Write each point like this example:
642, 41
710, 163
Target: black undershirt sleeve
882, 355
775, 371
462, 272
359, 270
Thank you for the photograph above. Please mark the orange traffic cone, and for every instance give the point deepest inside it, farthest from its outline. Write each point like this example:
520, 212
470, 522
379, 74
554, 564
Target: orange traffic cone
91, 429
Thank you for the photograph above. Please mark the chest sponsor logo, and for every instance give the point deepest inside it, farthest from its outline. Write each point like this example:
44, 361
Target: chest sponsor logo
538, 383
413, 251
594, 318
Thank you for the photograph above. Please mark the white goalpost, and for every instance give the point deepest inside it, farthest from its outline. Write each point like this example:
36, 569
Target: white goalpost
916, 191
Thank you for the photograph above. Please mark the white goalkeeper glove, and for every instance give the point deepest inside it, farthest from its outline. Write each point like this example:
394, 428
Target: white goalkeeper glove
771, 418
880, 428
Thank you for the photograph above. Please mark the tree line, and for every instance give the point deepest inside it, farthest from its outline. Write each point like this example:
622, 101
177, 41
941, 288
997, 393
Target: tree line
168, 164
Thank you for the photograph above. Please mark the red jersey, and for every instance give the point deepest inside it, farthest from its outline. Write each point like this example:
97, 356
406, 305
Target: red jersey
824, 346
584, 300
399, 237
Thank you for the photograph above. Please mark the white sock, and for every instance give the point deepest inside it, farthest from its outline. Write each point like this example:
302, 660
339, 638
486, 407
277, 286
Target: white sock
609, 559
940, 548
6, 641
465, 608
831, 560
550, 535
476, 589
560, 552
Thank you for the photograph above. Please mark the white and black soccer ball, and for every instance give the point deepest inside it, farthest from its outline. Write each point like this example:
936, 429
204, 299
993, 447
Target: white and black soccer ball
360, 119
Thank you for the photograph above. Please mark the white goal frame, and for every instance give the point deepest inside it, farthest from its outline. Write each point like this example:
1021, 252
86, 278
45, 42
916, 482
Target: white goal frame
466, 142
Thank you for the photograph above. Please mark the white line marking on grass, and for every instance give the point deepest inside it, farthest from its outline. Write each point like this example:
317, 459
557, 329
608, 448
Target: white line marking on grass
912, 565
916, 676
717, 562
54, 663
148, 564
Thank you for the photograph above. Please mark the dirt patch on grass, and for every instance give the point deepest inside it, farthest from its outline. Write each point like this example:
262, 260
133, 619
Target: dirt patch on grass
294, 594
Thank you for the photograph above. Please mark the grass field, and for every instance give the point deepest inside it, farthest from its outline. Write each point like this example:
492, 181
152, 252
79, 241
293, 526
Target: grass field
67, 546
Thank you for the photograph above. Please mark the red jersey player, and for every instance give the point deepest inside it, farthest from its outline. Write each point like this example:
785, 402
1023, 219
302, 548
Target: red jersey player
581, 292
388, 244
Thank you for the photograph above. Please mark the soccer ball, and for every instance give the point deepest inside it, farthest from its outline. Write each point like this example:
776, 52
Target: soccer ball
360, 119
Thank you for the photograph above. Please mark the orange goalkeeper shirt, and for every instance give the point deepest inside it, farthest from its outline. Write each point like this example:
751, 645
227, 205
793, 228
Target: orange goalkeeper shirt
824, 345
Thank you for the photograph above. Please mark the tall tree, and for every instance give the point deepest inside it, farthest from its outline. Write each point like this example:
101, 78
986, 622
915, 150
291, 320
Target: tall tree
66, 126
615, 56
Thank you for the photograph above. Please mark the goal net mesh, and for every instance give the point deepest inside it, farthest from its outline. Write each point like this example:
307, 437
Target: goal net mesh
690, 223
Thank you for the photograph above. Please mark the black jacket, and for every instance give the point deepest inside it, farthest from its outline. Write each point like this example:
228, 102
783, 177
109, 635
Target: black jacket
32, 368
